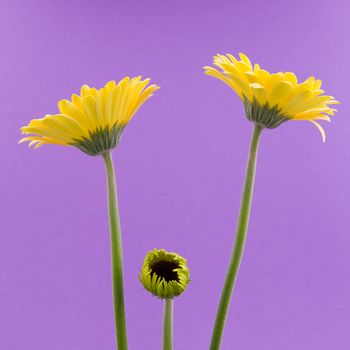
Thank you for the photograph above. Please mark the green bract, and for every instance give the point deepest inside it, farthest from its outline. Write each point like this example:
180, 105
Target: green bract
266, 116
100, 141
164, 274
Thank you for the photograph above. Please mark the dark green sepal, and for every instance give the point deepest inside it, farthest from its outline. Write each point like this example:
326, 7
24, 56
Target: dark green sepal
268, 117
100, 140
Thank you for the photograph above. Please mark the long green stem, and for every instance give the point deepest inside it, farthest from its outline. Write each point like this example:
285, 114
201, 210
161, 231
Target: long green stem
240, 238
168, 325
116, 253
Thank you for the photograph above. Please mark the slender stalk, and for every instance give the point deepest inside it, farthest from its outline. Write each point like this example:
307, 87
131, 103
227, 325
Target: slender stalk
116, 254
168, 325
240, 238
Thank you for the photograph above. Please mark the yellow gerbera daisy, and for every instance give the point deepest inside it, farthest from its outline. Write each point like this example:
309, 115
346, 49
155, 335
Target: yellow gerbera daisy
271, 99
94, 120
164, 274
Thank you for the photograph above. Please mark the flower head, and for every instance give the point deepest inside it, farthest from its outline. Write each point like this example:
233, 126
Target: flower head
271, 99
94, 120
164, 274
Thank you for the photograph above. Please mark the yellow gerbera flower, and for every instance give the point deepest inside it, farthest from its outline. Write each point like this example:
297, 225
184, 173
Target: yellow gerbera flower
271, 99
94, 120
164, 274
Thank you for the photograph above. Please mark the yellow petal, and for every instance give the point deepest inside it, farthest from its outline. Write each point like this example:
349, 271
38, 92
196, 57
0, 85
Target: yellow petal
246, 60
319, 127
279, 93
259, 92
216, 74
68, 108
89, 107
291, 77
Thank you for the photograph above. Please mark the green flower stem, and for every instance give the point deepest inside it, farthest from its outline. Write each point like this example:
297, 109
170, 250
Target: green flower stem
168, 325
116, 252
240, 238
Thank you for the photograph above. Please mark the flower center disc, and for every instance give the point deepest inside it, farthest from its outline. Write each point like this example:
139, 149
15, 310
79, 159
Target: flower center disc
164, 269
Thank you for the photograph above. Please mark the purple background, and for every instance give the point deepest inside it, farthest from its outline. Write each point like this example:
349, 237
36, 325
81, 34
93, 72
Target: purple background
180, 168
